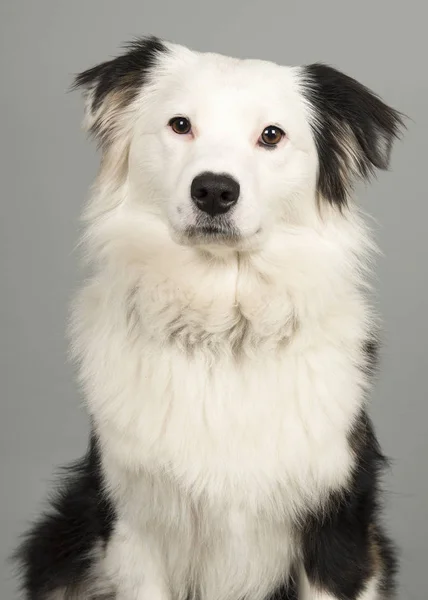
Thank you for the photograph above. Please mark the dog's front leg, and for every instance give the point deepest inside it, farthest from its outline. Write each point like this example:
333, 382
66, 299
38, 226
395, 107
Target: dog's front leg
135, 566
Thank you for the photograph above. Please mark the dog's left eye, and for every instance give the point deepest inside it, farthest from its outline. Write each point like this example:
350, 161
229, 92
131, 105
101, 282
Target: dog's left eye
271, 136
180, 125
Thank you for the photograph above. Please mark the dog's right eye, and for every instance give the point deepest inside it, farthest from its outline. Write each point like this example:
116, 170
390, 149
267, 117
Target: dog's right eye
180, 125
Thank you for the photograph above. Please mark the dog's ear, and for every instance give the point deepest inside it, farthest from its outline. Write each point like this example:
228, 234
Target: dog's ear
110, 87
353, 130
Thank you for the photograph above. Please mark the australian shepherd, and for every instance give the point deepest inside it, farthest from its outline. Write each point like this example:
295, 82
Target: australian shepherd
224, 339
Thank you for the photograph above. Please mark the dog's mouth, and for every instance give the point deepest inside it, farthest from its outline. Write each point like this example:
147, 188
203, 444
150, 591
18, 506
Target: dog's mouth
216, 230
212, 233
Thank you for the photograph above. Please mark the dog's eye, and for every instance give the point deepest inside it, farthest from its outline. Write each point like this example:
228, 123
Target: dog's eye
180, 125
271, 136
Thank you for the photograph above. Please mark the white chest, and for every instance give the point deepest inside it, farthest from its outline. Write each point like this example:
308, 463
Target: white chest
219, 451
272, 429
220, 460
266, 425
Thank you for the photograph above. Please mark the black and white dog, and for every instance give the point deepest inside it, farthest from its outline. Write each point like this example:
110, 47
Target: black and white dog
224, 340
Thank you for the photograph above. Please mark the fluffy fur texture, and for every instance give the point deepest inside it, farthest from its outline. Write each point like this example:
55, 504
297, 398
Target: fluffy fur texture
225, 359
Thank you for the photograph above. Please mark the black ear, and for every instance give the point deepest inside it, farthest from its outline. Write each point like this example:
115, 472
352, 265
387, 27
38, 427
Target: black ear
353, 129
113, 85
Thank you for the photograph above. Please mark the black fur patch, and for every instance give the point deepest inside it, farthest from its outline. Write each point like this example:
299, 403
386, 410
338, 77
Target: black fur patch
354, 130
126, 73
388, 556
56, 552
343, 545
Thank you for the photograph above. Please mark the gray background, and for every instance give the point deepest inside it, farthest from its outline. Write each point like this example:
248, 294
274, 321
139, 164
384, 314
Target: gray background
46, 168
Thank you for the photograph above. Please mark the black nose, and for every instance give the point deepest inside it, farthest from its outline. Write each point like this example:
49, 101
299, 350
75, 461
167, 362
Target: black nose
213, 193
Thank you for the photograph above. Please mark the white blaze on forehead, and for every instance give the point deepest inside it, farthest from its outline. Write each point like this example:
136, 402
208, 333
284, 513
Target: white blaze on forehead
212, 88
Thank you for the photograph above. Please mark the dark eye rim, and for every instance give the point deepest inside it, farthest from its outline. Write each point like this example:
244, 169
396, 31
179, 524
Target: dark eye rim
274, 144
174, 120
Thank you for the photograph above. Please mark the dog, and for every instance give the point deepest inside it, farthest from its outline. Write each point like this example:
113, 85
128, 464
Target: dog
225, 343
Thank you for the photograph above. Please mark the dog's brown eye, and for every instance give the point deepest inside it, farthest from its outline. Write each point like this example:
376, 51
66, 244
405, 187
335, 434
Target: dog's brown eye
271, 136
180, 125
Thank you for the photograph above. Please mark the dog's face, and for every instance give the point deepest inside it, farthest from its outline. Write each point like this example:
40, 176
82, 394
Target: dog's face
226, 146
224, 150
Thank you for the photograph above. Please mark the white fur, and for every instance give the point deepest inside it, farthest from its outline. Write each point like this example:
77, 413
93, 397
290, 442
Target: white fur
222, 380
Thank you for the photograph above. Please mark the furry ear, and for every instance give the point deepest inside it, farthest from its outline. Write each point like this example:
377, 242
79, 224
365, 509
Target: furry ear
353, 129
111, 86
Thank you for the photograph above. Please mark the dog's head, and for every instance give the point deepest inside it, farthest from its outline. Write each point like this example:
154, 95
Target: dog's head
222, 150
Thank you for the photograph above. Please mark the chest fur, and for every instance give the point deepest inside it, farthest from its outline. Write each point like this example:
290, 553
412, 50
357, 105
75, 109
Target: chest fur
228, 386
272, 426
